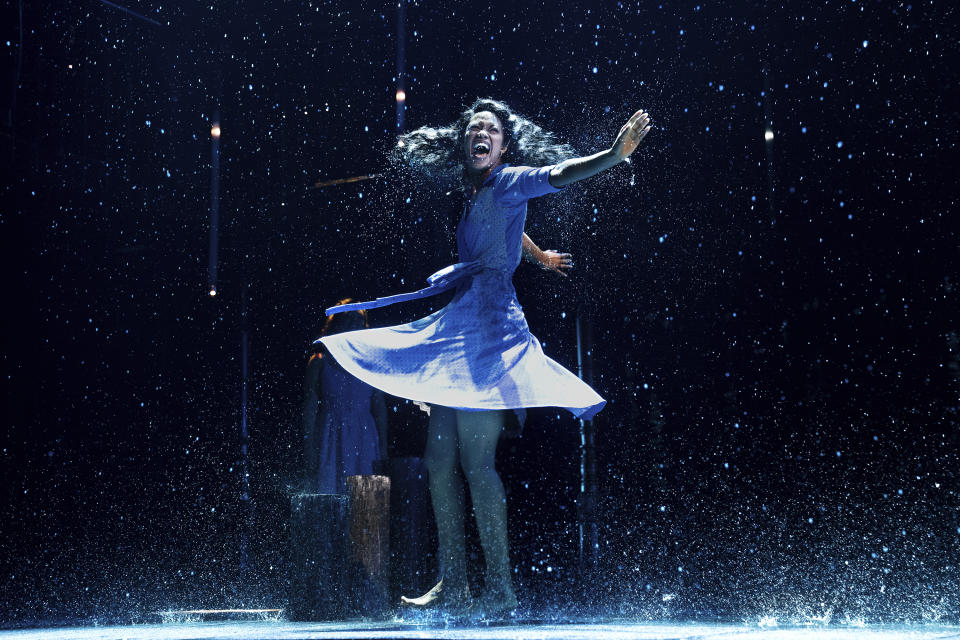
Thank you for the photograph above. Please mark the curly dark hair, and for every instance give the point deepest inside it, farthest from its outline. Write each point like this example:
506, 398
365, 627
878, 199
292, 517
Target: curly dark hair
437, 151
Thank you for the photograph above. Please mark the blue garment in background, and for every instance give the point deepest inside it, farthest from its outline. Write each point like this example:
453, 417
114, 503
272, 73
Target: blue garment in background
347, 440
477, 352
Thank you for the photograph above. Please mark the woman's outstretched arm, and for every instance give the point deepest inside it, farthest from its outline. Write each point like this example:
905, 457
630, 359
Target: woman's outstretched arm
629, 138
550, 260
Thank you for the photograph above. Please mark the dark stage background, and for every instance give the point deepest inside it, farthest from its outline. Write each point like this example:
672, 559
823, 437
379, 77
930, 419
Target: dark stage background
775, 321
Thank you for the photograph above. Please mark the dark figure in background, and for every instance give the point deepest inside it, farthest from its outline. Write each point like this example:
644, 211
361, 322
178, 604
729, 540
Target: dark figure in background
344, 419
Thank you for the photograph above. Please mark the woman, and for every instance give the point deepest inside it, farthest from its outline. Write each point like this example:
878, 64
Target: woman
475, 358
344, 419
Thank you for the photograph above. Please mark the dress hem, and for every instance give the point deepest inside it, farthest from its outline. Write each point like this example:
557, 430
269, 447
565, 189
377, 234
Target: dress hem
584, 412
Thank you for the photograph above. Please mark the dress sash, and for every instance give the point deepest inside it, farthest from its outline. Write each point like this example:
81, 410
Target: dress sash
439, 282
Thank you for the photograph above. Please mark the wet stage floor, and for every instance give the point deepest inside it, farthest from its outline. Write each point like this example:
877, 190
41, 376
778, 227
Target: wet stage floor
280, 630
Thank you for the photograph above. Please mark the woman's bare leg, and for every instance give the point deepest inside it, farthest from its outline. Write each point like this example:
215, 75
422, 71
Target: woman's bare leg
447, 495
479, 432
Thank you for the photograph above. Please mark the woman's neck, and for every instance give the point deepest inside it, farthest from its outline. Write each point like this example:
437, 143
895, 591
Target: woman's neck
475, 180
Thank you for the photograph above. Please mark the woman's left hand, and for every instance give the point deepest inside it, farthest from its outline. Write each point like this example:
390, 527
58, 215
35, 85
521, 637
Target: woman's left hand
556, 261
631, 135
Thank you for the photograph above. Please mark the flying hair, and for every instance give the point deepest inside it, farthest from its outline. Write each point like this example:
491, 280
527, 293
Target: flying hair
437, 152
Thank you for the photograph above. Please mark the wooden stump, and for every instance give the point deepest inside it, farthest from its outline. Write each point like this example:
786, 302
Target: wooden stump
370, 543
317, 577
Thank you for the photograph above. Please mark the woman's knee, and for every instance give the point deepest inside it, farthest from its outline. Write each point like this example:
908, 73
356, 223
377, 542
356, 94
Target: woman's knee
479, 433
478, 467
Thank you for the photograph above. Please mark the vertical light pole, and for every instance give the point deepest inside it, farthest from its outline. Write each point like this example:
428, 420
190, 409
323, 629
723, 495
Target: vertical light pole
214, 203
401, 94
246, 510
587, 500
768, 140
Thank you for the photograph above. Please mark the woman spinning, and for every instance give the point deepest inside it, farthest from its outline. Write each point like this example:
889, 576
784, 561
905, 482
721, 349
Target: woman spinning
475, 359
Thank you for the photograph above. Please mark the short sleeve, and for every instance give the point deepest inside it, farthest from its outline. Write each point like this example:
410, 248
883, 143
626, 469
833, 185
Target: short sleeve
519, 184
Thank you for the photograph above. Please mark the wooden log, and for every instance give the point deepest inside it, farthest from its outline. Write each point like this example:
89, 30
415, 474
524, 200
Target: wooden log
317, 576
370, 543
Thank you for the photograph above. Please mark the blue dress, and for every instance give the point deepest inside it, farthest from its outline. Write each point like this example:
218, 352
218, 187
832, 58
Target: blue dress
349, 441
477, 353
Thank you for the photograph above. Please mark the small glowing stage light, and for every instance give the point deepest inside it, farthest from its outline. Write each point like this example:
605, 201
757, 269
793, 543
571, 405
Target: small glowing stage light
401, 95
768, 135
215, 131
213, 292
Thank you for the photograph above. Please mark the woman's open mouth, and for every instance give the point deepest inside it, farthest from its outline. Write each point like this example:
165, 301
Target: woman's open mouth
480, 150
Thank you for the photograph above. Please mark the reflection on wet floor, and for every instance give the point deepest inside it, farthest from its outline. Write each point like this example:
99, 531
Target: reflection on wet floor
386, 630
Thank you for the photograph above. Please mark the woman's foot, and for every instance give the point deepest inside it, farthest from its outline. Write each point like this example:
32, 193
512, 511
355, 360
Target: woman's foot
497, 604
450, 601
428, 599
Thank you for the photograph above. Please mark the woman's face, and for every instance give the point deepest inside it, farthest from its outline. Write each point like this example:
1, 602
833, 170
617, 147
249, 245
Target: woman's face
483, 142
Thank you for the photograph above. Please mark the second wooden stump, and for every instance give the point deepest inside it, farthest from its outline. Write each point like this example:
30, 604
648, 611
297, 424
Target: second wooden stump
370, 543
